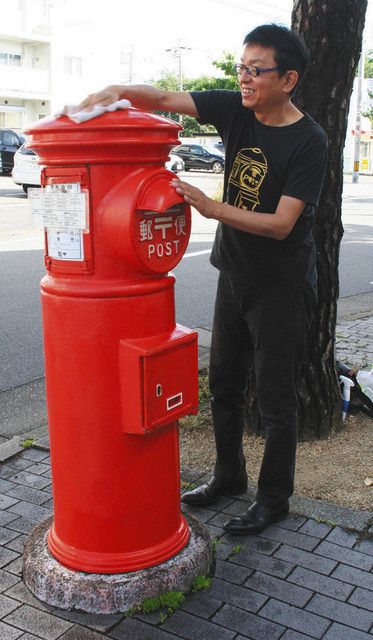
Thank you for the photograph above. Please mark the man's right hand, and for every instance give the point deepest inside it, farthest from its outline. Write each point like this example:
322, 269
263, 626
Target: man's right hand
107, 96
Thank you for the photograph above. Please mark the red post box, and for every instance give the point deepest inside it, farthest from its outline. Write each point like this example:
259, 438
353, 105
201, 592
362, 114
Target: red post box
119, 371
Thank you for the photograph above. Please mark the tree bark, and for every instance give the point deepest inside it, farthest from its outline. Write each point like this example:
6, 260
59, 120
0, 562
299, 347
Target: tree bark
332, 31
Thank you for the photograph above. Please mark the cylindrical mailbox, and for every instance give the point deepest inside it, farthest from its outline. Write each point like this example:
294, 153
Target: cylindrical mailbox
119, 371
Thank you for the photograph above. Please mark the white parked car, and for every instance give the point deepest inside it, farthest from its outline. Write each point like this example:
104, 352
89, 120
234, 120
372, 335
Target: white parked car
175, 164
26, 170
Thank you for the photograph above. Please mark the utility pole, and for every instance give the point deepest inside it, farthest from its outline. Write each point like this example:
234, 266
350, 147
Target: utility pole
360, 75
176, 51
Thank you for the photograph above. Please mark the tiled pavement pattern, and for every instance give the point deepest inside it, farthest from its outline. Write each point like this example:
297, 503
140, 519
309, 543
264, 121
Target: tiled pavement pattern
299, 579
354, 342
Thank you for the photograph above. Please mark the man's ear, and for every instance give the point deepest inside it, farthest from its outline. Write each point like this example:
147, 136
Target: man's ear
290, 80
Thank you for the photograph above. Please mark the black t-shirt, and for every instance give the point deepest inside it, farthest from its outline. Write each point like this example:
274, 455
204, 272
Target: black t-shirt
262, 163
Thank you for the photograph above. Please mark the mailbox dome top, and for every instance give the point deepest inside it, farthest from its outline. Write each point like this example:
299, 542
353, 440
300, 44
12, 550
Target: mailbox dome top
127, 136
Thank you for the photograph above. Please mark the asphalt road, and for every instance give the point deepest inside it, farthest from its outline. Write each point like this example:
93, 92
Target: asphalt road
21, 268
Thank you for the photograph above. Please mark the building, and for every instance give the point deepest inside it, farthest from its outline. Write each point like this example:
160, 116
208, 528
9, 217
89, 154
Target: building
50, 55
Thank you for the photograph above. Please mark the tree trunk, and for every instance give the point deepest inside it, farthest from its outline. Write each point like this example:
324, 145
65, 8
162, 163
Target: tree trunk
332, 31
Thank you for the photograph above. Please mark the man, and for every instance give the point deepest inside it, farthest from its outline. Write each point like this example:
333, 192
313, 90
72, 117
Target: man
264, 250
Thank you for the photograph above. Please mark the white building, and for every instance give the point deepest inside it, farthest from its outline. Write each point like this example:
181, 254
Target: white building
50, 55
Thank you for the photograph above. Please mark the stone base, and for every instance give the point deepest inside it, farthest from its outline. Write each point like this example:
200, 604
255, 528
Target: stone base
64, 588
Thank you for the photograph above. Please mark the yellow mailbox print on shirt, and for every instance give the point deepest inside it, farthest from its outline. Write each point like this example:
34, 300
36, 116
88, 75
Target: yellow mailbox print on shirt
248, 172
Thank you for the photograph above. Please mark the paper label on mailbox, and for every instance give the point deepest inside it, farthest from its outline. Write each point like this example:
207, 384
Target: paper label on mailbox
61, 206
66, 245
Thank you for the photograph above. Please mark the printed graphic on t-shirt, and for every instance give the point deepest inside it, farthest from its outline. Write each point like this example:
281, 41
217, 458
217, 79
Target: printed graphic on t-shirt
248, 172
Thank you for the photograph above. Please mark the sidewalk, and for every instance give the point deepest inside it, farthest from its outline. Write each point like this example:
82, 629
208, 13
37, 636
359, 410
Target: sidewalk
309, 576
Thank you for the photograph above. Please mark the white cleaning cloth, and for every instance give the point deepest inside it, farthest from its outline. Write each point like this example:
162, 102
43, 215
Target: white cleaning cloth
97, 110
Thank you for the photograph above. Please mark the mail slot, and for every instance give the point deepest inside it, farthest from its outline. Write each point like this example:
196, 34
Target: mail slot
157, 380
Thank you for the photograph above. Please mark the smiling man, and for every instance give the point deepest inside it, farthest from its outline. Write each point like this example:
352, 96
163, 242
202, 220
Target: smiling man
265, 252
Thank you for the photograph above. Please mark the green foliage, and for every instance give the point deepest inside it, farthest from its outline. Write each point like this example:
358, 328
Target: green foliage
200, 582
236, 550
369, 112
167, 602
368, 66
26, 444
171, 82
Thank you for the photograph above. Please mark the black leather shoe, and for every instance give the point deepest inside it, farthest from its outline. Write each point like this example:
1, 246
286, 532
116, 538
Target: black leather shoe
213, 490
256, 518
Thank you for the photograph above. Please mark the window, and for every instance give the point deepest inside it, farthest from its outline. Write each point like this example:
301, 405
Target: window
73, 66
10, 139
10, 59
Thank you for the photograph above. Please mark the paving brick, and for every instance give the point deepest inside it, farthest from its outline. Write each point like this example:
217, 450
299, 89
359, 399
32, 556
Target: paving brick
292, 522
93, 620
131, 629
293, 538
341, 554
7, 556
342, 537
7, 605
6, 517
9, 633
6, 501
6, 471
274, 566
187, 626
251, 542
16, 566
21, 524
23, 595
27, 493
30, 480
293, 635
40, 623
215, 532
5, 485
251, 626
362, 598
276, 588
365, 546
297, 619
80, 633
201, 604
341, 612
202, 514
316, 529
236, 595
321, 584
341, 632
6, 535
231, 572
354, 576
35, 455
222, 550
39, 468
17, 544
30, 511
306, 559
7, 580
19, 464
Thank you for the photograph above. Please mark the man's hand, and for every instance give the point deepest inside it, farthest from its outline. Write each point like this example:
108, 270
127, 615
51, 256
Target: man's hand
196, 198
107, 96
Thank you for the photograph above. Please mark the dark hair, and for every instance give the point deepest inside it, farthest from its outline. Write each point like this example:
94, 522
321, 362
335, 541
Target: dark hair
290, 51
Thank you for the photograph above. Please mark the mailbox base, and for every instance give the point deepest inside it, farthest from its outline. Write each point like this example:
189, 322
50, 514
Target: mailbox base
64, 588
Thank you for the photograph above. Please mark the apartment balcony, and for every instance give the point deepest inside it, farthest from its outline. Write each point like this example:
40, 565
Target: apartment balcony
24, 83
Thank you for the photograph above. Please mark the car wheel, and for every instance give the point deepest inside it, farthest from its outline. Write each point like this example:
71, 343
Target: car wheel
217, 167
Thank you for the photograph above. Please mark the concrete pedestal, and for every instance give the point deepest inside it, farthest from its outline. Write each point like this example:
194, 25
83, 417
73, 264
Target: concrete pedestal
64, 588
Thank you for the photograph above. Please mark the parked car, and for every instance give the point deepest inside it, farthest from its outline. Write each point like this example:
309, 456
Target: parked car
196, 156
26, 171
10, 142
175, 164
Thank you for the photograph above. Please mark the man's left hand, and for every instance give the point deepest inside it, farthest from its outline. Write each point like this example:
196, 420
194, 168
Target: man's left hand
196, 198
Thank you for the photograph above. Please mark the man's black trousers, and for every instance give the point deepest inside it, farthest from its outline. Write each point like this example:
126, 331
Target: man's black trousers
268, 329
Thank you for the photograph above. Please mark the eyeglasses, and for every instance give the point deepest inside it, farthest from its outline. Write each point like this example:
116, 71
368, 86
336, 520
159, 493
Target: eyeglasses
251, 71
